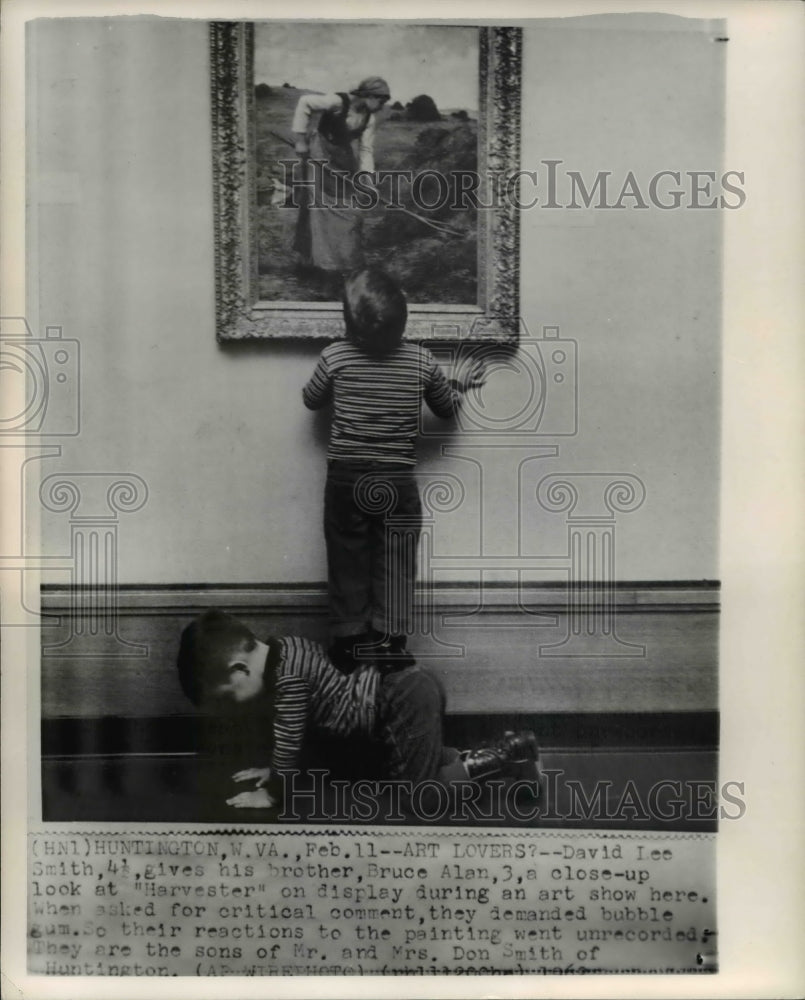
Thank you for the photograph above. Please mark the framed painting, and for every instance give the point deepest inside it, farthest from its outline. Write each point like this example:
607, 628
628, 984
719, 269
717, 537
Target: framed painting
341, 145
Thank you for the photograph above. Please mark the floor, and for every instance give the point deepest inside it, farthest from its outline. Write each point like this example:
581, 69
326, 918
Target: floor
590, 788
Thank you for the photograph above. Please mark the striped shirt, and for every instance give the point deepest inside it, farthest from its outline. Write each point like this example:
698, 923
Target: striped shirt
377, 400
308, 692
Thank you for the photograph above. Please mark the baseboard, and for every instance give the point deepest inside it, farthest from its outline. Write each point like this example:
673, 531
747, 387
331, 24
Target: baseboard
500, 650
680, 595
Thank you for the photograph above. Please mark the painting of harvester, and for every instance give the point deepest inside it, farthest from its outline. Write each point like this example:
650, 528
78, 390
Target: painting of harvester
366, 145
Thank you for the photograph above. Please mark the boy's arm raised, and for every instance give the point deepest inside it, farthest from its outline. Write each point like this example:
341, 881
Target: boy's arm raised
443, 396
319, 390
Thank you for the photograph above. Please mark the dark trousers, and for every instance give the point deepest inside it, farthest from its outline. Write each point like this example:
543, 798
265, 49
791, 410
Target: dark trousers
372, 523
410, 713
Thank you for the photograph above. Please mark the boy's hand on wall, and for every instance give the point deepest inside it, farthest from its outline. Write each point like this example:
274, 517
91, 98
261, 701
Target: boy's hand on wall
258, 798
259, 775
475, 377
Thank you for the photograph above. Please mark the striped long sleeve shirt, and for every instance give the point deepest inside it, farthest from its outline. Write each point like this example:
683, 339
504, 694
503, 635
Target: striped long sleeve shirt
309, 693
377, 400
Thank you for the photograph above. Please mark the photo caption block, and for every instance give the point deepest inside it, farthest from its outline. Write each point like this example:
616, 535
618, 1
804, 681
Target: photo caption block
268, 903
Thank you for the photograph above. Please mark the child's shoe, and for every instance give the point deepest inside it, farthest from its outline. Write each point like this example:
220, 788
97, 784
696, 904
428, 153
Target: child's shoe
514, 755
389, 652
342, 652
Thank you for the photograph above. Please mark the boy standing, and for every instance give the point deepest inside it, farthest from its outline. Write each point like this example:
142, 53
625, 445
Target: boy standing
376, 384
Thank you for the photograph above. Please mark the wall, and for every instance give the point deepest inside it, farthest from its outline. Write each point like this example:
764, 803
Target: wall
663, 660
121, 240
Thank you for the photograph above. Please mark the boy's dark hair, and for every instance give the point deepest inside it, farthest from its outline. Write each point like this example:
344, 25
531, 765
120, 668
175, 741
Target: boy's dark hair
375, 311
205, 649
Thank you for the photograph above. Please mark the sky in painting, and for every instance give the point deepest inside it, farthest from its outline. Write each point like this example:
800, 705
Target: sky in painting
439, 60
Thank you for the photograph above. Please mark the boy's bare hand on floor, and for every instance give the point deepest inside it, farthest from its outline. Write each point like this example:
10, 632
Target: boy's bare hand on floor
258, 797
259, 775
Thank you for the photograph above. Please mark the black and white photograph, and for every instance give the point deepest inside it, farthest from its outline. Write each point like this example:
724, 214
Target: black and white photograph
370, 494
447, 555
431, 123
415, 172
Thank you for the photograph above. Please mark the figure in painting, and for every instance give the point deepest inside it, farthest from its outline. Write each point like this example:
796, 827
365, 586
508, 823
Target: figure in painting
329, 229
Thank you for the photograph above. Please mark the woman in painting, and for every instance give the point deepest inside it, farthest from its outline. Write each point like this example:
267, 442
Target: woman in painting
329, 237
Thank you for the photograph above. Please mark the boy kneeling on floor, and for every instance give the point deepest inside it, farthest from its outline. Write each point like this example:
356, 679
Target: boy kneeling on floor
293, 683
